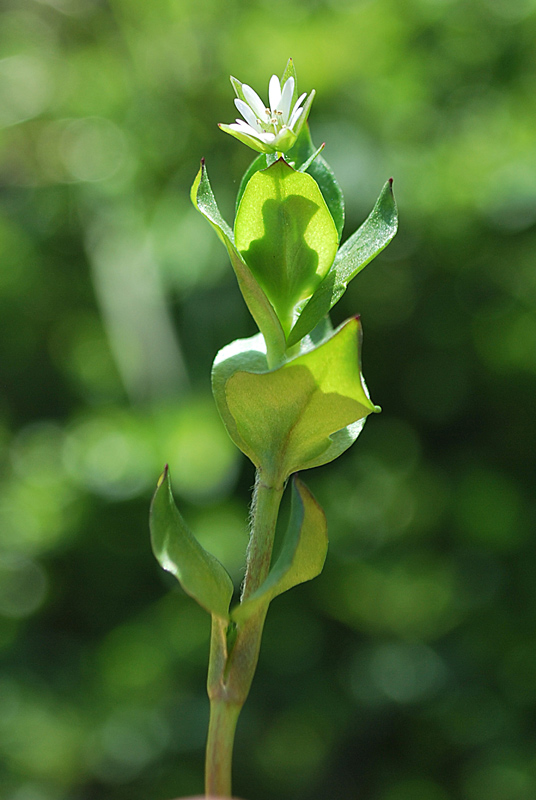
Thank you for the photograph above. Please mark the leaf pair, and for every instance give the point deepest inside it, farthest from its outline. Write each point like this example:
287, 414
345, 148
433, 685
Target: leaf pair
304, 413
284, 245
204, 578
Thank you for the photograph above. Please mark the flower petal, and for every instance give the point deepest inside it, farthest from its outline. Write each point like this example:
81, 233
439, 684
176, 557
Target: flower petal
295, 116
286, 98
253, 141
299, 101
274, 92
253, 99
301, 118
240, 125
284, 140
248, 114
266, 136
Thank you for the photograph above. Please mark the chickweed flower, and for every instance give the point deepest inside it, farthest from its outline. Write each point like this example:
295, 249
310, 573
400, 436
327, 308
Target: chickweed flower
273, 128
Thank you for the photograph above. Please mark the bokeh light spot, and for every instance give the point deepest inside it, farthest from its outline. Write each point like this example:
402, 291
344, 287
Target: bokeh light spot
93, 148
132, 659
222, 530
202, 459
406, 673
23, 586
43, 742
36, 453
412, 597
25, 88
111, 455
292, 752
130, 739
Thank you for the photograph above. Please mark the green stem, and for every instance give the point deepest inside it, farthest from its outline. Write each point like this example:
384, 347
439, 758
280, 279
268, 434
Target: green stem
219, 753
264, 512
275, 351
232, 665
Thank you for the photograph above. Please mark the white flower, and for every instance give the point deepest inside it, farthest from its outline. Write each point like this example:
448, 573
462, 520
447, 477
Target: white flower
269, 129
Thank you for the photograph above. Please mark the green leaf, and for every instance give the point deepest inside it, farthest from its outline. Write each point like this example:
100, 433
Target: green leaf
302, 554
261, 162
286, 235
300, 415
248, 355
300, 153
256, 300
358, 251
305, 166
242, 354
301, 124
237, 86
290, 72
258, 163
177, 550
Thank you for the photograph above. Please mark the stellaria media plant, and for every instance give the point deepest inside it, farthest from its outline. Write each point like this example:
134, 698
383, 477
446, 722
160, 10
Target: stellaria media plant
292, 397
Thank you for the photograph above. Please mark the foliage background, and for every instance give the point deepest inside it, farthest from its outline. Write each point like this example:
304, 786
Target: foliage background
408, 669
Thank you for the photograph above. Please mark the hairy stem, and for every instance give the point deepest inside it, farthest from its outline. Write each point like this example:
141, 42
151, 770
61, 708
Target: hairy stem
264, 512
233, 659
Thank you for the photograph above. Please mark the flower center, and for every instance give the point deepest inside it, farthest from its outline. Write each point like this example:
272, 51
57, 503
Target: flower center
273, 121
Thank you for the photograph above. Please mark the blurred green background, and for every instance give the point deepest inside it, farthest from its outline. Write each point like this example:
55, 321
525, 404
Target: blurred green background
407, 671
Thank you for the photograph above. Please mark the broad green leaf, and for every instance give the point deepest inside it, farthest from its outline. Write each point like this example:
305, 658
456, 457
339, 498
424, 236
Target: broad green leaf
302, 414
302, 554
256, 300
247, 355
300, 153
358, 251
261, 162
177, 550
258, 163
286, 235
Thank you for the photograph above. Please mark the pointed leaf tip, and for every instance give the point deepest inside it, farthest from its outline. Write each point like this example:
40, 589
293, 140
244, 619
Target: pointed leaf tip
177, 550
322, 404
162, 477
358, 251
